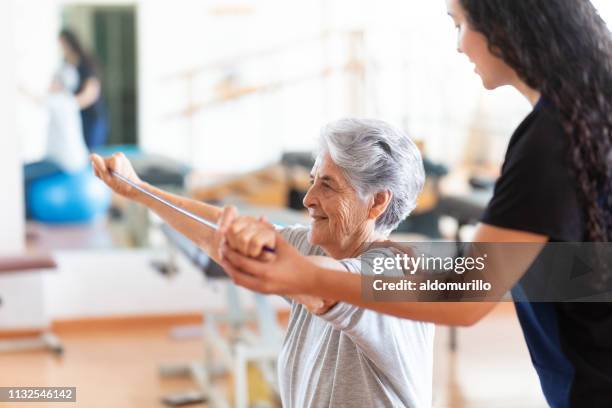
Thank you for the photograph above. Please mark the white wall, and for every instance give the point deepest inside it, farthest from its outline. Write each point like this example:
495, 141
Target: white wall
417, 80
119, 282
101, 283
11, 204
107, 283
179, 36
35, 30
175, 36
605, 10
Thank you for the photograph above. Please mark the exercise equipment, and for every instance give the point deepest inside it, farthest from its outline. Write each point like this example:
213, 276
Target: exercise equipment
174, 207
155, 169
15, 266
248, 356
186, 213
68, 198
466, 209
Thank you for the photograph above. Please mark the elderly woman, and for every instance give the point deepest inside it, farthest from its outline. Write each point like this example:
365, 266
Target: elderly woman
365, 181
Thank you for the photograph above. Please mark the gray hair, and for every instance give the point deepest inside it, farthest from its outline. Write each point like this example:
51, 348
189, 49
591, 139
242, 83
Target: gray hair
374, 157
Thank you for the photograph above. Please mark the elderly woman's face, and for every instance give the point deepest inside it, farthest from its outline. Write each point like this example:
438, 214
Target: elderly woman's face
336, 210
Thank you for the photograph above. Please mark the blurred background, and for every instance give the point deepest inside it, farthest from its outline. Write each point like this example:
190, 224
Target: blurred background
221, 101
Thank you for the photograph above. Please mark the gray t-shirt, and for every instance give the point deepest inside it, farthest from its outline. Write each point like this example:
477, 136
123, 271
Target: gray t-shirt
352, 357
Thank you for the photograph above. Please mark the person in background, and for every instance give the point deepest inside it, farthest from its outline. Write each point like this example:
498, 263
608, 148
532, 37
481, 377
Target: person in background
65, 148
88, 91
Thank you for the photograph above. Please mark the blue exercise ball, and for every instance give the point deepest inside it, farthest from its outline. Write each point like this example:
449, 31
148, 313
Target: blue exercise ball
68, 198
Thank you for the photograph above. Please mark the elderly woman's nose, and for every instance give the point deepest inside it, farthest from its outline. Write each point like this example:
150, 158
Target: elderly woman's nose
309, 199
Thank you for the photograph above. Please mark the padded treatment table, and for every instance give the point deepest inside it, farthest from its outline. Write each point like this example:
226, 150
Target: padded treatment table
27, 263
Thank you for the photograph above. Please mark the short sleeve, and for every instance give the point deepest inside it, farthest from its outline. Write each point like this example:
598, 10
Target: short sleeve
536, 191
344, 316
297, 236
85, 73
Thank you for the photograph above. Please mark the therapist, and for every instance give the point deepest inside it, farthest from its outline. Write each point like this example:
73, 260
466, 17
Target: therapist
555, 186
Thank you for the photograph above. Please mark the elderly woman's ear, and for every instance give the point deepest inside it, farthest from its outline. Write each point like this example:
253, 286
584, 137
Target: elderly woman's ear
380, 203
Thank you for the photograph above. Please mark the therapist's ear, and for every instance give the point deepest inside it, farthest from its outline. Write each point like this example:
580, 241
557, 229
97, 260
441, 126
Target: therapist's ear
380, 204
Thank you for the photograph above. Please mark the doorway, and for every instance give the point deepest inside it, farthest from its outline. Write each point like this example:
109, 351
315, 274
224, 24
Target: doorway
109, 34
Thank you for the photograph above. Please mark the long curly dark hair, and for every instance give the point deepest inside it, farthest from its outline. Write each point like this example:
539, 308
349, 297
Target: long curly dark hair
73, 42
563, 49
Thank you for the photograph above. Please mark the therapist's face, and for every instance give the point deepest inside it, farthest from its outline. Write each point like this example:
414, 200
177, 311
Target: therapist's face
493, 71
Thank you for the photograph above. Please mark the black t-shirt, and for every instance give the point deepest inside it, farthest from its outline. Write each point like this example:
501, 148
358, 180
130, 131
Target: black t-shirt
94, 116
570, 343
536, 191
86, 72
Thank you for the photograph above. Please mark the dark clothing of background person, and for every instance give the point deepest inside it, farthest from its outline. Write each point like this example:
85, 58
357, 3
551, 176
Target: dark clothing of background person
95, 126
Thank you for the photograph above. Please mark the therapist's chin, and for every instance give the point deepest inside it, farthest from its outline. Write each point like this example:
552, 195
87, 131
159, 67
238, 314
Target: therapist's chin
490, 84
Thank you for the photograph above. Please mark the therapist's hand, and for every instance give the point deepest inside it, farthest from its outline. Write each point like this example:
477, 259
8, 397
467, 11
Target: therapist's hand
120, 164
285, 272
313, 304
248, 236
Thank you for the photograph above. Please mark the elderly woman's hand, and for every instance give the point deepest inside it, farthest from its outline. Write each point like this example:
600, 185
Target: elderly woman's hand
285, 272
120, 164
246, 235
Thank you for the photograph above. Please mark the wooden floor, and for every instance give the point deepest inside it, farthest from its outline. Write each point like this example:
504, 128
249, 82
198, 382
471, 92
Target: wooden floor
491, 368
119, 367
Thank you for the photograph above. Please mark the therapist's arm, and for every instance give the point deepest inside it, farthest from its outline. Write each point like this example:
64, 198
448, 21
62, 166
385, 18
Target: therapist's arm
332, 283
201, 235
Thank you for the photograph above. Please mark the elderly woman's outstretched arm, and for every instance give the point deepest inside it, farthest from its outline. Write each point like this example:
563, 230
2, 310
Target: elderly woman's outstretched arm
205, 238
202, 236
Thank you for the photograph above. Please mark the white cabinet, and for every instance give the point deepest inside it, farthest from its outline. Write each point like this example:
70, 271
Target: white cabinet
22, 296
